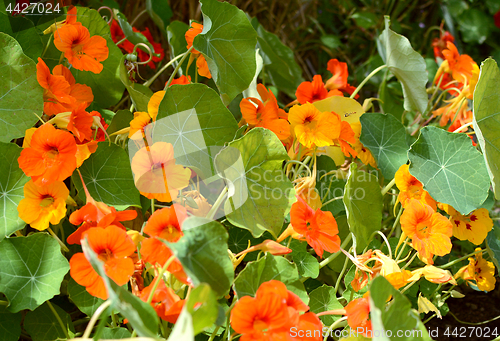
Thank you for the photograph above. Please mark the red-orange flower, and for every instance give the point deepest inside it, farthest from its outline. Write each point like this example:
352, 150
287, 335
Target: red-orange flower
318, 227
165, 224
165, 302
96, 214
410, 188
358, 314
312, 127
314, 91
439, 44
266, 115
144, 56
82, 51
429, 231
156, 174
114, 247
201, 63
182, 80
50, 157
339, 77
43, 204
274, 314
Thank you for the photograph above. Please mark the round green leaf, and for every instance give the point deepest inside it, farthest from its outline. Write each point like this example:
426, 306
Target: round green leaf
228, 42
307, 264
12, 180
10, 325
20, 94
363, 203
486, 119
265, 269
493, 245
106, 86
324, 299
330, 187
202, 305
407, 65
42, 324
31, 270
385, 137
115, 333
202, 252
450, 168
263, 194
108, 177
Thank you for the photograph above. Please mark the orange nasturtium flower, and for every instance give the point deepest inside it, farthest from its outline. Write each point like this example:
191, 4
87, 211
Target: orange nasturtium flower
114, 247
61, 93
96, 214
314, 91
43, 204
156, 174
266, 115
362, 152
433, 274
319, 228
182, 80
479, 270
274, 314
429, 231
165, 224
410, 188
50, 157
473, 227
358, 314
339, 77
82, 51
201, 62
165, 302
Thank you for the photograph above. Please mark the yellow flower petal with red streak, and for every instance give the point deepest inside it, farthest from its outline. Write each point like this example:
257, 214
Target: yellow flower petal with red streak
43, 204
482, 271
473, 227
154, 104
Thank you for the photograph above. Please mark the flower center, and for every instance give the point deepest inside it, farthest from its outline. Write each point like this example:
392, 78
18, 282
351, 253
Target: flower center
260, 325
106, 254
52, 153
423, 229
47, 200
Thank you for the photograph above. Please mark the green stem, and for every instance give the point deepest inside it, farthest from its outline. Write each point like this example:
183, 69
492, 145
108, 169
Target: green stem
120, 41
156, 75
330, 258
214, 333
47, 46
474, 323
61, 244
388, 187
94, 318
172, 76
5, 303
373, 73
332, 200
58, 318
341, 275
217, 203
409, 262
159, 278
450, 264
339, 323
396, 221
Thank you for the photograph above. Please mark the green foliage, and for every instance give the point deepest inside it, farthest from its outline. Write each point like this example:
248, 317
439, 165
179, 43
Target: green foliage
21, 95
493, 245
407, 65
115, 333
324, 299
132, 36
10, 325
395, 316
31, 270
12, 180
202, 305
279, 61
139, 94
160, 12
363, 203
263, 195
385, 137
202, 252
84, 301
307, 264
228, 43
108, 177
329, 186
486, 119
450, 168
43, 325
265, 269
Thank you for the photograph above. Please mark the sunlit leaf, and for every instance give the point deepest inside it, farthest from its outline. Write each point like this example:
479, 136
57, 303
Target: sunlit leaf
265, 269
202, 252
407, 65
12, 180
31, 270
493, 245
202, 305
363, 203
115, 333
486, 119
263, 194
450, 168
307, 264
385, 137
108, 177
21, 97
324, 299
228, 42
42, 324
